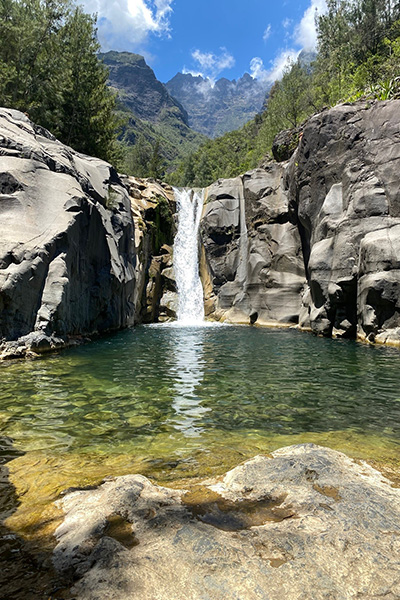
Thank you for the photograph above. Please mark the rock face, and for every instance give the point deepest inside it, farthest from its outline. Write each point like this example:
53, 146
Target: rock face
345, 187
67, 251
153, 208
330, 215
214, 109
307, 522
253, 248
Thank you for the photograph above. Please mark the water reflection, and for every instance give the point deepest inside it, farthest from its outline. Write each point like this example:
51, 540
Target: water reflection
187, 368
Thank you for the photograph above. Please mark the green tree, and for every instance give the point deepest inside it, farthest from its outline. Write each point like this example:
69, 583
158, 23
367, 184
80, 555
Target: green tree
289, 100
138, 158
49, 69
88, 105
156, 162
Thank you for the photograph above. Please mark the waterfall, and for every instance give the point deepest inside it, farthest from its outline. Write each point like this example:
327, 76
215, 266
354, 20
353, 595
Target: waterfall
186, 257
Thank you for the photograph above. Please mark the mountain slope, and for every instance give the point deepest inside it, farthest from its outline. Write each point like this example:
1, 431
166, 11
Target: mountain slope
152, 116
138, 88
216, 109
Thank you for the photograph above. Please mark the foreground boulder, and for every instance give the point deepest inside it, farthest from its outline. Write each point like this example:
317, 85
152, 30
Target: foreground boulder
67, 248
307, 522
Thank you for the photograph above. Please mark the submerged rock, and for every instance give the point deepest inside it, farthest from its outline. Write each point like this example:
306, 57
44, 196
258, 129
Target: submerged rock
306, 522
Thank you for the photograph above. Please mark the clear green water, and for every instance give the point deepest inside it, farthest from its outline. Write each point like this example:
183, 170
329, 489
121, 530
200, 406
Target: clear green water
175, 403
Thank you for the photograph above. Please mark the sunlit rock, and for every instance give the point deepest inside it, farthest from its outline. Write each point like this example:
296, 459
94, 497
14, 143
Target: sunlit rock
306, 522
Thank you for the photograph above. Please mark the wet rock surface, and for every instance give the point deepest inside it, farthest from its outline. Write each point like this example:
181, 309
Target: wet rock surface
305, 522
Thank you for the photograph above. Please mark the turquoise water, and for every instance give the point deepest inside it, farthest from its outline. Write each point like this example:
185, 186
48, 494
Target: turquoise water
175, 402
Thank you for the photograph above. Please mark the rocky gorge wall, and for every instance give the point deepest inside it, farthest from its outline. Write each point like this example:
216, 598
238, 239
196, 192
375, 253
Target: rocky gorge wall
314, 240
77, 241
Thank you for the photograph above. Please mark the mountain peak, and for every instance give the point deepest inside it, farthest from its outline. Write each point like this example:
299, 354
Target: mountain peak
138, 87
219, 108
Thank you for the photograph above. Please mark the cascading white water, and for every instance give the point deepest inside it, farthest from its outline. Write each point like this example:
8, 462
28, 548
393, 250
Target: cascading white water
186, 257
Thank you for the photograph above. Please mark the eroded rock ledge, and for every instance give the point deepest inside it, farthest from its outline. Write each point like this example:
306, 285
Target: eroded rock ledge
306, 522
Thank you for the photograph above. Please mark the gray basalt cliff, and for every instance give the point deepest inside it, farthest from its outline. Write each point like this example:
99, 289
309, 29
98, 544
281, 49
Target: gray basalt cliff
253, 251
314, 240
77, 242
67, 251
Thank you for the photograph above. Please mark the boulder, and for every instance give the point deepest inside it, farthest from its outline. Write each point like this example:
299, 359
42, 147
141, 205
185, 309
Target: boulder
67, 250
306, 522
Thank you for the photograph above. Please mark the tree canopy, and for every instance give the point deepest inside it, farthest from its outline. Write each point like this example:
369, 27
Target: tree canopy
50, 70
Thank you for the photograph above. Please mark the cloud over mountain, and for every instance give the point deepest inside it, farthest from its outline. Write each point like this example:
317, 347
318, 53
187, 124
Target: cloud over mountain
210, 65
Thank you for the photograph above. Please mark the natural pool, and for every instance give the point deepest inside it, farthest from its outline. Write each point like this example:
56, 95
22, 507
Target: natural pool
176, 403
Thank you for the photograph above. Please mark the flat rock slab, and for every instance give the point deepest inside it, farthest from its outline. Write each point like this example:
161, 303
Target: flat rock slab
305, 523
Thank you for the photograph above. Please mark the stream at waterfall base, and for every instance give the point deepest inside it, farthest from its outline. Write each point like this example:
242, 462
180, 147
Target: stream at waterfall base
179, 404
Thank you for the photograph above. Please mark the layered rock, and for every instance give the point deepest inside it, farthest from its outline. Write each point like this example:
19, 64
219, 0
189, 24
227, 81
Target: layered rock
330, 215
67, 251
153, 208
253, 249
307, 522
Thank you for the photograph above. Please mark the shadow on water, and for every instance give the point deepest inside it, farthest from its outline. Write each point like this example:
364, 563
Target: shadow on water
26, 571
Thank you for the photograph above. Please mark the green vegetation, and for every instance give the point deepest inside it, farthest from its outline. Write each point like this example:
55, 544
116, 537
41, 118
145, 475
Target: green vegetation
358, 51
168, 139
163, 230
155, 135
50, 70
358, 58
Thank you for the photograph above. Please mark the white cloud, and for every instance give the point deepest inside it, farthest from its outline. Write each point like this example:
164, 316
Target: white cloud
278, 65
267, 32
126, 24
305, 33
257, 70
210, 65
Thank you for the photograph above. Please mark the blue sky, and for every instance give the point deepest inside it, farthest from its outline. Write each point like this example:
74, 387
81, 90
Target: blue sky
215, 38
